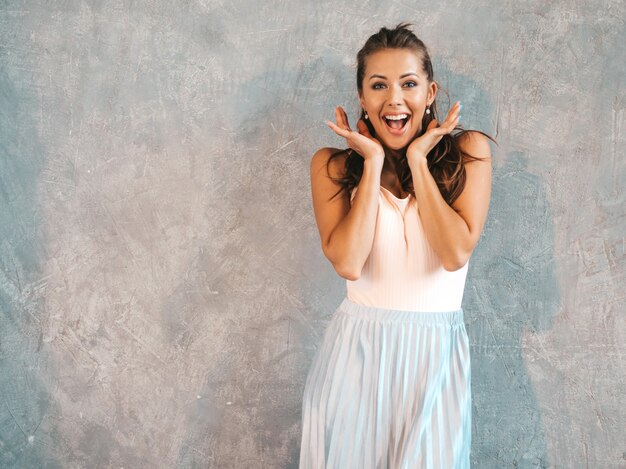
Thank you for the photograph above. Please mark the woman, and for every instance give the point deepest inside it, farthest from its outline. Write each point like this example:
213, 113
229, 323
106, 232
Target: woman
390, 385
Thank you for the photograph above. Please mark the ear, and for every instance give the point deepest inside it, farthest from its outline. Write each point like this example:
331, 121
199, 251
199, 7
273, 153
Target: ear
432, 92
361, 101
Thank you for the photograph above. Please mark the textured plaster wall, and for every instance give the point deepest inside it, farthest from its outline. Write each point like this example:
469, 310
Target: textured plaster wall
162, 286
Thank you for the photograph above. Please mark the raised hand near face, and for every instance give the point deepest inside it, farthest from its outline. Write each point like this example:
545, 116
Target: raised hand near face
421, 146
360, 141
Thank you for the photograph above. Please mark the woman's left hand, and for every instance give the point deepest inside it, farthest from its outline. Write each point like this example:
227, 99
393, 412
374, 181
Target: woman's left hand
421, 146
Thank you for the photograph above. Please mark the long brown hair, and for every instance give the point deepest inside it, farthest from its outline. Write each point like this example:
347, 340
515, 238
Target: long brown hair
446, 161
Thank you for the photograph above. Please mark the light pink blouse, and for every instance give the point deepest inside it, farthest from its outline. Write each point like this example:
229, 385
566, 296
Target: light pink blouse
403, 271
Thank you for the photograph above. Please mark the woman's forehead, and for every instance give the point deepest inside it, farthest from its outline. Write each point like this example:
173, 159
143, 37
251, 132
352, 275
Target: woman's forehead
392, 63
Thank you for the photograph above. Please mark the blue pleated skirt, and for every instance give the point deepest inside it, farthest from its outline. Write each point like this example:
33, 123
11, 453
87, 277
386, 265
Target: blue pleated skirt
388, 389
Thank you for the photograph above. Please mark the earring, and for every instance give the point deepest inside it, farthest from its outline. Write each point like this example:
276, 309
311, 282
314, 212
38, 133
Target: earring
428, 109
366, 116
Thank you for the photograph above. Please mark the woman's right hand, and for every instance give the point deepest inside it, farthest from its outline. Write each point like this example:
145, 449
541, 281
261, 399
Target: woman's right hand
362, 141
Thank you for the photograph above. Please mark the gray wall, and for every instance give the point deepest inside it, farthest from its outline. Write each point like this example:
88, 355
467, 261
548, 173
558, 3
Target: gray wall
162, 286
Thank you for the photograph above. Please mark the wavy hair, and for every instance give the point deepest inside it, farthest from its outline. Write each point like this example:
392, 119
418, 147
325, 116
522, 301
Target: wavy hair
446, 161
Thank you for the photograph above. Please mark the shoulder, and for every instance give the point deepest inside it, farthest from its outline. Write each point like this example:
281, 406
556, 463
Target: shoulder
320, 158
475, 144
476, 191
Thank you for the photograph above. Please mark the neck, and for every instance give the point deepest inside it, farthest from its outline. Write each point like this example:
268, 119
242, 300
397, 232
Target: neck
393, 156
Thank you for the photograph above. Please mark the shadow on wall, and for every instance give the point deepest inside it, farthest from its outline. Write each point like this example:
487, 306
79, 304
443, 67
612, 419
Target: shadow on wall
511, 292
27, 429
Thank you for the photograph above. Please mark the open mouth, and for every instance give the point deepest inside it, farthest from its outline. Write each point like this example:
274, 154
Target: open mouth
395, 126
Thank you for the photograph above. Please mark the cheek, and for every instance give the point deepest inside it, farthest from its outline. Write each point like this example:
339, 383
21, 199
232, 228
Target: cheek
416, 125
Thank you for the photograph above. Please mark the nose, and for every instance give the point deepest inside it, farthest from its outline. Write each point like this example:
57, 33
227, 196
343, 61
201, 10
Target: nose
395, 95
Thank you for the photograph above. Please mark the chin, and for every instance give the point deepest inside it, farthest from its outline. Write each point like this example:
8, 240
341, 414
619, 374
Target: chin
399, 143
396, 145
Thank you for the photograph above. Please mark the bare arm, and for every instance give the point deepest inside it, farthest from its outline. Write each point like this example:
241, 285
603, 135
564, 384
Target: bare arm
453, 231
346, 231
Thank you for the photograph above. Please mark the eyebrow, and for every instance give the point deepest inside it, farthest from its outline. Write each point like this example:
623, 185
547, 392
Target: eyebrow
401, 76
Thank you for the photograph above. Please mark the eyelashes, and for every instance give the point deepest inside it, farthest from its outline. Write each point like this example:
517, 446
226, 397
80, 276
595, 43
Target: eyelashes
375, 86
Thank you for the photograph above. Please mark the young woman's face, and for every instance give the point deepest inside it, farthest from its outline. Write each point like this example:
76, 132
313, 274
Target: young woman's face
395, 83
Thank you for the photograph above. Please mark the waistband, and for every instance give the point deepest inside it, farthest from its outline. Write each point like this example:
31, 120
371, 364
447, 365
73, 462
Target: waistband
375, 313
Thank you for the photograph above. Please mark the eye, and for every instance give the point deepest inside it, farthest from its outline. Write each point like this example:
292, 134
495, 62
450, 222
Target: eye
375, 86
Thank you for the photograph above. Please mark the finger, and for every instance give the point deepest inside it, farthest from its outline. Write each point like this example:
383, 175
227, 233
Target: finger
341, 120
448, 126
363, 128
450, 121
454, 111
338, 117
449, 118
338, 130
454, 118
437, 131
344, 117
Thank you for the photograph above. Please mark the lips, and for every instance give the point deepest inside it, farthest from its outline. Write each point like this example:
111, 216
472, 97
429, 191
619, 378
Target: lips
401, 130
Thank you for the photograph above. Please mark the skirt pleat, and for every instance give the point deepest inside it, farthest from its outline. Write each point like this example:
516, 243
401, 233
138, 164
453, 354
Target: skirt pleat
388, 389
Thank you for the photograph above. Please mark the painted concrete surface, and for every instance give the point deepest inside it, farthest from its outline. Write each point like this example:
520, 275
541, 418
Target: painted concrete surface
162, 287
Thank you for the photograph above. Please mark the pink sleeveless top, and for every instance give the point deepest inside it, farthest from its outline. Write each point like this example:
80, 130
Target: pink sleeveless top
403, 271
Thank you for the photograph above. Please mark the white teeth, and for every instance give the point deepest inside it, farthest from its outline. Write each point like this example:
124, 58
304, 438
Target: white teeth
397, 117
